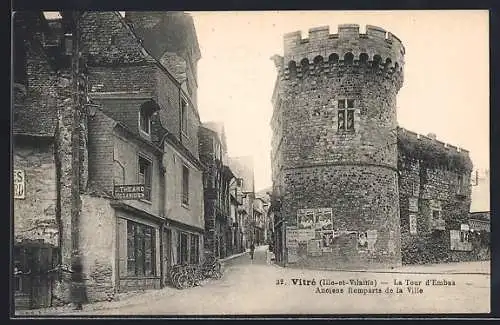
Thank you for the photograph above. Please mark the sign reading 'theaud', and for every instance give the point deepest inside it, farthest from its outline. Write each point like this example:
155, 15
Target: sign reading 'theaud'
129, 192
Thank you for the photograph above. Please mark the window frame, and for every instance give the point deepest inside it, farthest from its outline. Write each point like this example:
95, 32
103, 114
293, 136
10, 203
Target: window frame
142, 113
139, 243
185, 186
184, 110
194, 242
181, 249
148, 188
347, 110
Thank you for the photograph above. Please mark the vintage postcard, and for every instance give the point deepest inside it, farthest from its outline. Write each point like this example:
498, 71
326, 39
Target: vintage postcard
250, 163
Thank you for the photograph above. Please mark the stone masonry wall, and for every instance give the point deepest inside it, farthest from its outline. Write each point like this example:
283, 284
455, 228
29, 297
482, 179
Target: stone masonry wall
310, 119
362, 198
432, 184
318, 165
98, 242
35, 216
100, 148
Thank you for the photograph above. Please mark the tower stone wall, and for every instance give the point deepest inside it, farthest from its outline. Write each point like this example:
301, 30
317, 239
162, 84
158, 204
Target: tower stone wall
334, 145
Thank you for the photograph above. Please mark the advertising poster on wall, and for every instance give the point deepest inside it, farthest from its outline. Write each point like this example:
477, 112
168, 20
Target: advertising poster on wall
314, 247
324, 218
413, 224
305, 220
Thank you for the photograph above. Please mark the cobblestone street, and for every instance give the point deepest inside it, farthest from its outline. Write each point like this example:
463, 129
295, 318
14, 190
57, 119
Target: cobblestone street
250, 287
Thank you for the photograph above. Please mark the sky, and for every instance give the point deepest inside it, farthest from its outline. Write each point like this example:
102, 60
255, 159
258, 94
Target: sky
445, 92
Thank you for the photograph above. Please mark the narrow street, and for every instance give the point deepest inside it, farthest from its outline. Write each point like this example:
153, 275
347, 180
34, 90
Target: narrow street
250, 287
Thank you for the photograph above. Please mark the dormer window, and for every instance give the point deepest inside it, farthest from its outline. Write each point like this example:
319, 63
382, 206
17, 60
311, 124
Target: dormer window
145, 114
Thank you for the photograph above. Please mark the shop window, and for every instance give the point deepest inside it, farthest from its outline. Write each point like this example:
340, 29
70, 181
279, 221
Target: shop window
185, 185
346, 115
194, 254
182, 248
145, 176
140, 250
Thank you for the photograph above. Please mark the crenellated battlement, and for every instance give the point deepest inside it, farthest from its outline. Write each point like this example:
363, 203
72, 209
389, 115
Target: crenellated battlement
376, 48
431, 140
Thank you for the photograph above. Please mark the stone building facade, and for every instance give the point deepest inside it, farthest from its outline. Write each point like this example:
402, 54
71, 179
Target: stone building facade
217, 180
49, 160
334, 116
340, 195
242, 167
434, 199
132, 122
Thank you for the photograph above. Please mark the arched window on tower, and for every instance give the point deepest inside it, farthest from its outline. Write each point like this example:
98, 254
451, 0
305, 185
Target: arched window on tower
292, 68
318, 63
387, 64
305, 65
333, 59
348, 58
377, 60
363, 59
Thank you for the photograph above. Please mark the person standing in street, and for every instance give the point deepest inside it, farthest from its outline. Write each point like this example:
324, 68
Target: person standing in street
252, 250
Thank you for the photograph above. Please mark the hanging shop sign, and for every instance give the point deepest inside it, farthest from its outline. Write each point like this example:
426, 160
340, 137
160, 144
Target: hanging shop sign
129, 192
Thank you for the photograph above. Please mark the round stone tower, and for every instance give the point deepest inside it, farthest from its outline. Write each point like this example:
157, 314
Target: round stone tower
334, 147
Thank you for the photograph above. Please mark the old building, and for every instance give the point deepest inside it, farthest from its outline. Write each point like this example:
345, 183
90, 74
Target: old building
135, 128
258, 221
49, 156
217, 183
434, 199
236, 214
242, 167
340, 194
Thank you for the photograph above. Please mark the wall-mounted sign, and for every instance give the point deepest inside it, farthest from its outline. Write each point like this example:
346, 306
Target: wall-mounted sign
314, 247
293, 254
435, 205
19, 184
295, 236
129, 192
413, 204
464, 227
438, 224
319, 218
413, 224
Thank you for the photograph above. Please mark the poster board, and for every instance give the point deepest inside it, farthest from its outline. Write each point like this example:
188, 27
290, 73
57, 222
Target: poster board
314, 247
413, 204
413, 224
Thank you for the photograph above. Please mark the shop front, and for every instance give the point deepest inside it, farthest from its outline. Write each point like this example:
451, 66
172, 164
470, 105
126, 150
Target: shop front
138, 251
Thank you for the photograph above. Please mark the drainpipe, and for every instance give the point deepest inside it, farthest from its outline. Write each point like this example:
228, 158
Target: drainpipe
164, 221
75, 145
